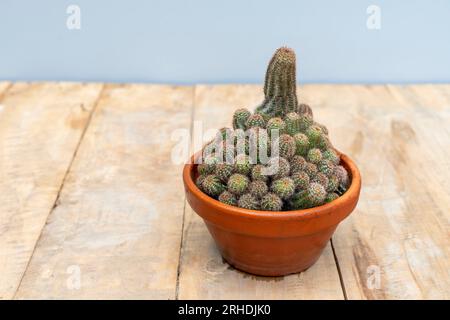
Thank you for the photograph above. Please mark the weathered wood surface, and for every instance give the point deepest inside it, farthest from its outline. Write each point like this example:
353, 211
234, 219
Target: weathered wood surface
92, 206
40, 127
396, 243
116, 230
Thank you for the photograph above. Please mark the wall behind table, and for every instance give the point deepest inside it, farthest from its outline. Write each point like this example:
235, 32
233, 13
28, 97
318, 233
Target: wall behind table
228, 41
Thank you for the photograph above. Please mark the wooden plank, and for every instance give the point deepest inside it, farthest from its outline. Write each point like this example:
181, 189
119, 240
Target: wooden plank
396, 244
40, 128
117, 227
203, 274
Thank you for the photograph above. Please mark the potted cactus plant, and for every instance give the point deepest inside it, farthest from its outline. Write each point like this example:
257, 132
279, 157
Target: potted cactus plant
272, 189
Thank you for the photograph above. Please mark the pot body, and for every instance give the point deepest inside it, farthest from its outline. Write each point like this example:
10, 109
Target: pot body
270, 256
271, 243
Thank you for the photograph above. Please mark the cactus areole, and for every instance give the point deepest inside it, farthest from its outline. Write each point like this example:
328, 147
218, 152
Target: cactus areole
267, 176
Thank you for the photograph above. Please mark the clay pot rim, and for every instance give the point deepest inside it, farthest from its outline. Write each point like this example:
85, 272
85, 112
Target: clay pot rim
314, 212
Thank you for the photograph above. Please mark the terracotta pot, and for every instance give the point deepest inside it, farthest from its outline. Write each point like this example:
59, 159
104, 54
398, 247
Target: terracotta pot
271, 243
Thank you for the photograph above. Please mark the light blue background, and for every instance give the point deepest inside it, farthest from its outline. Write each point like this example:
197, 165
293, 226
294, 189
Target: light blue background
209, 41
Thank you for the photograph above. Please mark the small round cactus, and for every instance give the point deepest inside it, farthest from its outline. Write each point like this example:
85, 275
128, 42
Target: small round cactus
271, 202
333, 183
287, 146
224, 171
258, 188
283, 187
259, 144
343, 177
316, 194
321, 126
331, 155
316, 136
238, 184
301, 180
326, 167
257, 174
212, 185
199, 180
305, 122
240, 118
292, 121
301, 144
310, 169
256, 120
208, 165
279, 167
331, 196
228, 198
248, 201
314, 156
276, 124
242, 164
303, 108
321, 179
297, 163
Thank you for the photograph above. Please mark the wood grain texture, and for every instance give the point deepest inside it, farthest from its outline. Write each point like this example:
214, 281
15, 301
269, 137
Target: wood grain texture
399, 233
203, 274
116, 230
40, 127
117, 224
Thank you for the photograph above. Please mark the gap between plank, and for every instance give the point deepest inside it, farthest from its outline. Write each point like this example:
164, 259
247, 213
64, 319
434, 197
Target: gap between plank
341, 279
56, 202
191, 129
3, 93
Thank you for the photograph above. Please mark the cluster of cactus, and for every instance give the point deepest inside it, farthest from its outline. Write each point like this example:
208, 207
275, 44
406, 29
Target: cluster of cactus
277, 158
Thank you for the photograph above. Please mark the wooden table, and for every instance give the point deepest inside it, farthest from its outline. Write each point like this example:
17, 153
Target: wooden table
91, 205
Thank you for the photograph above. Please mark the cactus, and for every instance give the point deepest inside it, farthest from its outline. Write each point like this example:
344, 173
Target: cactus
303, 108
258, 188
327, 167
305, 122
255, 120
331, 196
301, 180
283, 169
238, 184
257, 174
271, 202
248, 201
283, 187
321, 179
276, 124
333, 183
280, 96
228, 198
242, 164
301, 144
310, 169
293, 124
314, 156
303, 172
332, 156
297, 164
240, 118
212, 185
316, 137
224, 171
286, 146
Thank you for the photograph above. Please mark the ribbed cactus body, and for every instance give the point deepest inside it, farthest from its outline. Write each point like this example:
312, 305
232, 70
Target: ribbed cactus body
280, 85
271, 202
